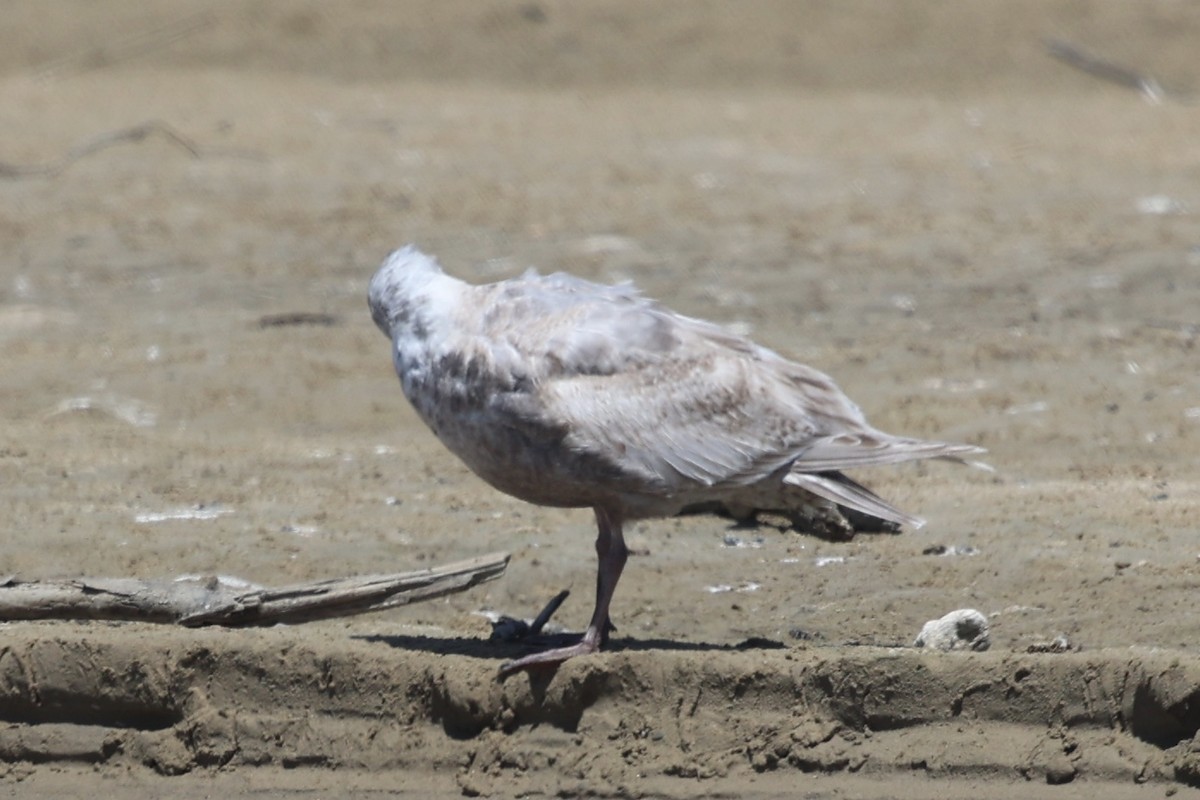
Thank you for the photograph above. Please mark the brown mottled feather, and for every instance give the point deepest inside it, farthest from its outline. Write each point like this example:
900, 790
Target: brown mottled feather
569, 393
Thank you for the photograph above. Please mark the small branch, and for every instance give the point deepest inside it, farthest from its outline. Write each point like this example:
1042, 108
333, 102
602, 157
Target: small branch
136, 133
196, 602
290, 318
1109, 71
511, 629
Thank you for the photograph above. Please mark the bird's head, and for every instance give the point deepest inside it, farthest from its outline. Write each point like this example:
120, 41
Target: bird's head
394, 291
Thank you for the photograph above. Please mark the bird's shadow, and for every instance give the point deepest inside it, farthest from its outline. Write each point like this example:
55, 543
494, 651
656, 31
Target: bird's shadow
783, 520
490, 649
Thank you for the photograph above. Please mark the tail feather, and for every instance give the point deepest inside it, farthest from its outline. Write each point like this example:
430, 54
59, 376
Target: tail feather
846, 451
838, 488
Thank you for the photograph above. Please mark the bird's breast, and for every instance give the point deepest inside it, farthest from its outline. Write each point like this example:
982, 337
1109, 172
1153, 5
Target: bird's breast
487, 417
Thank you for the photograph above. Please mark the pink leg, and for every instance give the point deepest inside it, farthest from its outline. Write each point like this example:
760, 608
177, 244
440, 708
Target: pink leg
611, 553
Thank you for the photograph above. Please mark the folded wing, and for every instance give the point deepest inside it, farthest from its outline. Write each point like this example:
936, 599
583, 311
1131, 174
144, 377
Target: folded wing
677, 404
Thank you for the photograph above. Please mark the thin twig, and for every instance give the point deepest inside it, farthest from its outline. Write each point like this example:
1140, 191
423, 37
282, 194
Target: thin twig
290, 318
134, 134
511, 629
542, 618
1110, 71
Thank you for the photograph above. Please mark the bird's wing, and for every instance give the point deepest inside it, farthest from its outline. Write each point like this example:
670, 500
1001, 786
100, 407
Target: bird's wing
672, 398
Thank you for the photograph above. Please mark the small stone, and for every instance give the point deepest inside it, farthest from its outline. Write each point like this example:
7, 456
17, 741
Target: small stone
1059, 771
964, 629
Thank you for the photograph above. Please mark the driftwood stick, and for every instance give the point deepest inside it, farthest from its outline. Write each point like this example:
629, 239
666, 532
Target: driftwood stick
221, 601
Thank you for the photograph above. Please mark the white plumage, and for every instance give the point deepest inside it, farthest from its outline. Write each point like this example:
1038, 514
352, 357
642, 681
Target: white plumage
569, 393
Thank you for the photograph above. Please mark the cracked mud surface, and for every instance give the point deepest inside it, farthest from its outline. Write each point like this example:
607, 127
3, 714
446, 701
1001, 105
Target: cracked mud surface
978, 242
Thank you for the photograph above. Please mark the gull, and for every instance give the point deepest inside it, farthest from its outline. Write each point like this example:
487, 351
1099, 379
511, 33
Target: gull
567, 393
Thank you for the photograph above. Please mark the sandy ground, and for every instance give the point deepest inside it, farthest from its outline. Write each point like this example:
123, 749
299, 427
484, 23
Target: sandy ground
978, 242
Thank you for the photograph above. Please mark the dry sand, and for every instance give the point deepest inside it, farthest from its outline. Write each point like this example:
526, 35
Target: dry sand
977, 241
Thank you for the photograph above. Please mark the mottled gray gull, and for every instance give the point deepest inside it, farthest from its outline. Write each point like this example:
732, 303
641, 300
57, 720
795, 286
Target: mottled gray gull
567, 393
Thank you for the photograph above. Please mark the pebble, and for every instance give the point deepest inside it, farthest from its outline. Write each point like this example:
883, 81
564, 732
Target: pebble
964, 629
